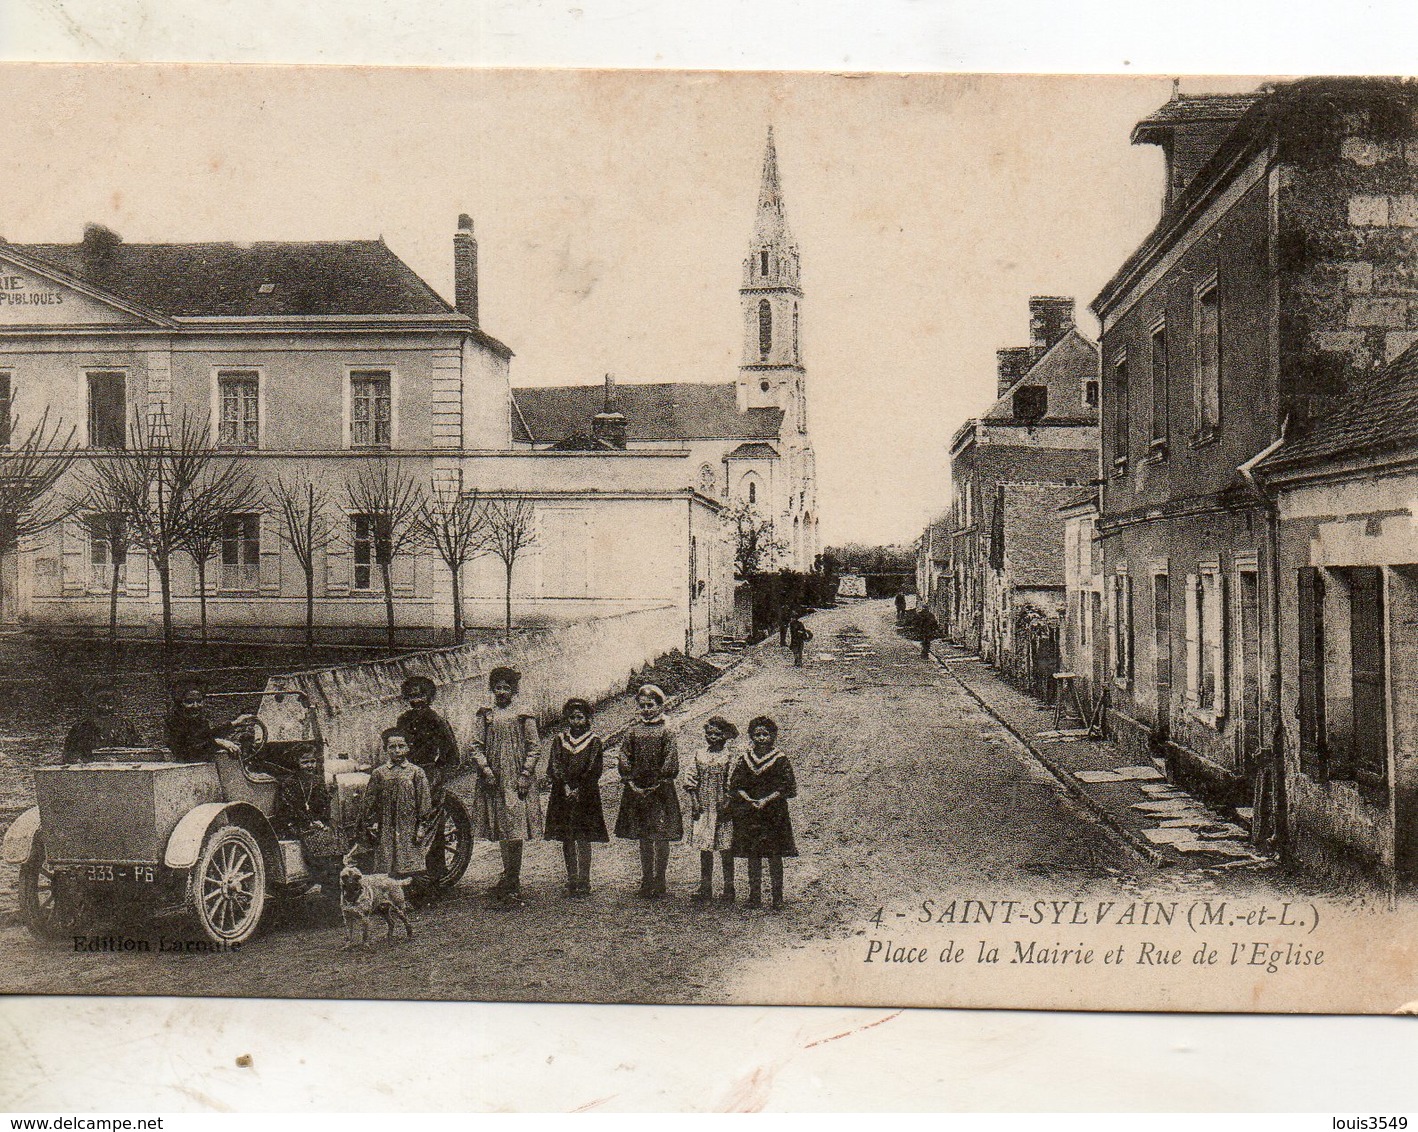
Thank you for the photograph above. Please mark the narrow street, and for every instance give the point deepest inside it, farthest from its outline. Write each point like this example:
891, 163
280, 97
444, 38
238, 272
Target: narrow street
907, 789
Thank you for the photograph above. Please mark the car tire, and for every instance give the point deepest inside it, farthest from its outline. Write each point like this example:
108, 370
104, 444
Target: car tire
226, 888
50, 910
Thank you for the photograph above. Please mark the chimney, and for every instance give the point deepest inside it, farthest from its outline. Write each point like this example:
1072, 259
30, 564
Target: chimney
465, 269
1014, 363
608, 426
99, 245
1050, 318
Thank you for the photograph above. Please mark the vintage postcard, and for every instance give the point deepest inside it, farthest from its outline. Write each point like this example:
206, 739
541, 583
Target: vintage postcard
570, 536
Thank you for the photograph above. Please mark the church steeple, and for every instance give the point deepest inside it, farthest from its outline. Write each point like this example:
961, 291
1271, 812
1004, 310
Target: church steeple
771, 367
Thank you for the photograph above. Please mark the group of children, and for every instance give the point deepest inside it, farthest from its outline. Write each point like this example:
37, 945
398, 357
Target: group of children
738, 800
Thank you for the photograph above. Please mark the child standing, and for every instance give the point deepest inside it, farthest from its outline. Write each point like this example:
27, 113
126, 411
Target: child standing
574, 814
649, 807
760, 785
798, 636
506, 749
397, 803
707, 784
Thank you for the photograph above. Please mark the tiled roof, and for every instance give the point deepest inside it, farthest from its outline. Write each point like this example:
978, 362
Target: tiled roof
1378, 414
1063, 368
669, 411
1188, 108
340, 277
754, 450
1032, 533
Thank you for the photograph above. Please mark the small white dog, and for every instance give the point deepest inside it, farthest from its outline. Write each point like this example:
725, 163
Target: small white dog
362, 897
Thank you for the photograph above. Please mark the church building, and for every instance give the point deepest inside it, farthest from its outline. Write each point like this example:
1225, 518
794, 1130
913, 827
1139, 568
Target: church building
748, 440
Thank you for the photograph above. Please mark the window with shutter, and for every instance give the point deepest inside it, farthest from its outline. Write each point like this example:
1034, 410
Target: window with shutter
1207, 388
241, 553
1368, 672
1312, 670
1159, 389
1162, 642
1193, 631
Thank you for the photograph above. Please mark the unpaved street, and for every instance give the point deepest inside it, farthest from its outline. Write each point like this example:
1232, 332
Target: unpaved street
905, 787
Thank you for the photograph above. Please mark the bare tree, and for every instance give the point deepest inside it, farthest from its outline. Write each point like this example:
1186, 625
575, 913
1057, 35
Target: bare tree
303, 502
29, 471
106, 521
220, 493
450, 523
508, 529
389, 500
155, 483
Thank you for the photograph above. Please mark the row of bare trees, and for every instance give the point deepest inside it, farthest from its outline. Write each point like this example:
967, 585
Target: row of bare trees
172, 493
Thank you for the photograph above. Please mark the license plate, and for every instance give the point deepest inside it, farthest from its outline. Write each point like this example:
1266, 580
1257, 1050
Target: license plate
114, 874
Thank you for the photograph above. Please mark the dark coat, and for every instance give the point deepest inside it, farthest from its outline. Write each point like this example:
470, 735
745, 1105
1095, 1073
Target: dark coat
579, 818
93, 732
767, 832
649, 762
432, 744
190, 738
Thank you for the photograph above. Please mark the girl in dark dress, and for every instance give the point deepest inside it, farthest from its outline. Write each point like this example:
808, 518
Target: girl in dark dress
574, 809
760, 785
649, 808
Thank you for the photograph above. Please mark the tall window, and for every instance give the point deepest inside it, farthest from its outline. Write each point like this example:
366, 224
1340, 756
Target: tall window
239, 393
1312, 669
363, 530
765, 327
763, 264
370, 415
1206, 640
752, 492
1162, 638
241, 553
6, 407
108, 409
1120, 412
796, 355
1090, 394
105, 533
1159, 387
1208, 360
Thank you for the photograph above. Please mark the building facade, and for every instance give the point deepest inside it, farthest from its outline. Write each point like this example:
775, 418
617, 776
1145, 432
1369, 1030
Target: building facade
1346, 498
310, 362
1041, 429
1273, 281
748, 441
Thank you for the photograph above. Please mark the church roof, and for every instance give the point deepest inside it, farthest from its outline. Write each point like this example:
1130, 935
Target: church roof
672, 411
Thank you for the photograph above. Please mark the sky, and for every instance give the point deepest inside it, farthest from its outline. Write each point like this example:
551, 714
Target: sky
613, 211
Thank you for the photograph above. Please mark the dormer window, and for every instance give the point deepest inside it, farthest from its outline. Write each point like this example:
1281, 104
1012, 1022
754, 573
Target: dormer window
1031, 402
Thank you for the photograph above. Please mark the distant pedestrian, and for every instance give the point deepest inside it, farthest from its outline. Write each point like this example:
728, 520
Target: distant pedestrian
649, 805
574, 815
506, 749
101, 725
900, 608
707, 784
760, 785
798, 636
929, 629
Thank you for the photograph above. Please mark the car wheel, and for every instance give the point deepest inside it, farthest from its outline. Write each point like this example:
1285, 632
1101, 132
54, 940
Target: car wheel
51, 906
449, 856
226, 889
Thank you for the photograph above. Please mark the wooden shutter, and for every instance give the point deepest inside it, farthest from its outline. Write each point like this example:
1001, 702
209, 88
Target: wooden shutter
1162, 629
1311, 670
1219, 641
338, 557
270, 553
1127, 621
1193, 628
1366, 645
403, 573
74, 559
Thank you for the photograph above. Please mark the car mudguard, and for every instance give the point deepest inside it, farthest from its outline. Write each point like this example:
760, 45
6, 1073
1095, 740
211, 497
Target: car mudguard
185, 843
19, 838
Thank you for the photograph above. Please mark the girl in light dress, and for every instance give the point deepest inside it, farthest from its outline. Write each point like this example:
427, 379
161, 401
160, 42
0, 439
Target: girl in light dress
707, 784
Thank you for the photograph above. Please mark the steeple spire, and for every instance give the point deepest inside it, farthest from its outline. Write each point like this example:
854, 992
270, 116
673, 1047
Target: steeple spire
771, 225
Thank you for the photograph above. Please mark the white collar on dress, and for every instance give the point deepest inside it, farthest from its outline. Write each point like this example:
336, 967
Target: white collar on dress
759, 763
574, 745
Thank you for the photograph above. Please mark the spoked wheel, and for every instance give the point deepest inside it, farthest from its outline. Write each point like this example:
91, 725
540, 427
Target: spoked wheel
226, 889
449, 855
52, 907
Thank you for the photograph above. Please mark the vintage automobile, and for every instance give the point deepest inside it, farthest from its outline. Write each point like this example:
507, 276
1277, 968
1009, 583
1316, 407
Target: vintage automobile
134, 831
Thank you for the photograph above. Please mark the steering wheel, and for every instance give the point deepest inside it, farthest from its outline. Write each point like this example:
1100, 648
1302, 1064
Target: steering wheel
251, 735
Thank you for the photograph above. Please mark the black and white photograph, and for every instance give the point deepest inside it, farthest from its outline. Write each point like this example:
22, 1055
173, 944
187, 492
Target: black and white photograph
708, 538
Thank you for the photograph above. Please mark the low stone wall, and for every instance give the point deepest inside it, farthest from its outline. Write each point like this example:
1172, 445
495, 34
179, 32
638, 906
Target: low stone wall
591, 659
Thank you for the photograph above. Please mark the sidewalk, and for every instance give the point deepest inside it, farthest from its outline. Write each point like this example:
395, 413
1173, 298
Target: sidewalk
1159, 820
